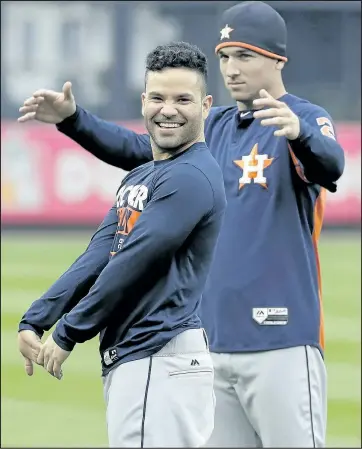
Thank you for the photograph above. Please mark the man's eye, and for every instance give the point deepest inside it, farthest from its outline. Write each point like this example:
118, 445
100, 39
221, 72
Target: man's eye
184, 100
156, 98
223, 57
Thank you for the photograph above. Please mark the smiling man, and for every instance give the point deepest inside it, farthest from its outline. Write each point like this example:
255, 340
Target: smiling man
157, 369
262, 305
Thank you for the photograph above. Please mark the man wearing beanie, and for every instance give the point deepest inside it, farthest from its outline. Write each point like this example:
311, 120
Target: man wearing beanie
262, 306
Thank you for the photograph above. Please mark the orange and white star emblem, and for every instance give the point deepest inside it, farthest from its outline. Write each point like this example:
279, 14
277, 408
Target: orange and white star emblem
225, 32
253, 166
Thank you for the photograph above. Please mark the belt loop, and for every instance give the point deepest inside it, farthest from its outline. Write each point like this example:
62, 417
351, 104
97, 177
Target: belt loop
205, 338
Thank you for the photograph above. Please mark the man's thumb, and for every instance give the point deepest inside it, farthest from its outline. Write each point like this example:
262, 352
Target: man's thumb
67, 90
265, 94
28, 366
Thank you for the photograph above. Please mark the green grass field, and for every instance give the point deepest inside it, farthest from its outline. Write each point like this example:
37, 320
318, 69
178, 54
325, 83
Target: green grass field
40, 411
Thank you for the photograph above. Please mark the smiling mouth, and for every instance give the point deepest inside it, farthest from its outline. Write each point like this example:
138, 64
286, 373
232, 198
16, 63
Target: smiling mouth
165, 125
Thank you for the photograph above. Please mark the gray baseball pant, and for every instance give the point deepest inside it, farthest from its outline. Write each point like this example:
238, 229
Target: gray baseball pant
166, 400
274, 398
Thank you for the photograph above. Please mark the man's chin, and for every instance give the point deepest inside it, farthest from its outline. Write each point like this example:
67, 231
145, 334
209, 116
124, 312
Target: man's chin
237, 96
168, 144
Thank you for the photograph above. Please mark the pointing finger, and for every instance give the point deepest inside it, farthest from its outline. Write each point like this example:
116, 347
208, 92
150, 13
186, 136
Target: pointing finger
50, 366
271, 112
26, 109
57, 370
33, 101
27, 117
283, 132
46, 94
275, 121
28, 366
40, 359
40, 93
268, 102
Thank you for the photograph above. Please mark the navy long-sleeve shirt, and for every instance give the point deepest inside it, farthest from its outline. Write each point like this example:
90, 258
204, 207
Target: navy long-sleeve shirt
266, 261
169, 215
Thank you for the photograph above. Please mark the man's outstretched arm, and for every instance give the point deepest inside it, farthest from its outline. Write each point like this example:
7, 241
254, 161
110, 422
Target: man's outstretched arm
75, 283
111, 143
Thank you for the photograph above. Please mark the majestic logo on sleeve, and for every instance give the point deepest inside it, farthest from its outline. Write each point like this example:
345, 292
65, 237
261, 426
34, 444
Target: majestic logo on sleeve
253, 166
131, 200
225, 32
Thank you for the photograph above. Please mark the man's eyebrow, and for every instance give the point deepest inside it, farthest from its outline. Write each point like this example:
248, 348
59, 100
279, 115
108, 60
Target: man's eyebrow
243, 50
238, 52
185, 95
178, 95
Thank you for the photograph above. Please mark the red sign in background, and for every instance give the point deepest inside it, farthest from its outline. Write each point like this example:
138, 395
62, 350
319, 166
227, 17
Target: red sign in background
48, 179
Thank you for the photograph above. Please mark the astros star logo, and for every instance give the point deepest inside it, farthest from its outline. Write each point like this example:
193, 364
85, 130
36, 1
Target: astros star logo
225, 32
253, 166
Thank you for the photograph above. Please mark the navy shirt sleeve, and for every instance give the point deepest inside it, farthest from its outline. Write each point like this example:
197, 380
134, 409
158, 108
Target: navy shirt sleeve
317, 148
75, 283
111, 143
181, 197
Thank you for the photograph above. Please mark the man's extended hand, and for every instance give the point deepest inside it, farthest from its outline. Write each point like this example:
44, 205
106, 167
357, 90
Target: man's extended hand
278, 114
29, 345
49, 106
52, 357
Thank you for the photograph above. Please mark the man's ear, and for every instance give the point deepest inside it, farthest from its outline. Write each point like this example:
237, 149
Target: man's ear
143, 99
206, 106
280, 65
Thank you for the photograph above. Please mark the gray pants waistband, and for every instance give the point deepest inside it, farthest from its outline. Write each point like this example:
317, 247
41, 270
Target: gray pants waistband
188, 341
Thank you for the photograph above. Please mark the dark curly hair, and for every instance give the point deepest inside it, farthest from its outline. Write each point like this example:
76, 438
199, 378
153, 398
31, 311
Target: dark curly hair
177, 55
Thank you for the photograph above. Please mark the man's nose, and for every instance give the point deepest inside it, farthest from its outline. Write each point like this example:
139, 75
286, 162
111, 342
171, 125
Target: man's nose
232, 70
168, 110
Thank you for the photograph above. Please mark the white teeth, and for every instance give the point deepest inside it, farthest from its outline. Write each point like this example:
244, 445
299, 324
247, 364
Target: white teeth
169, 125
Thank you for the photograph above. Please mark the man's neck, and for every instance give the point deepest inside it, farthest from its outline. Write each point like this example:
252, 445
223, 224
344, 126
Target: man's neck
276, 93
160, 155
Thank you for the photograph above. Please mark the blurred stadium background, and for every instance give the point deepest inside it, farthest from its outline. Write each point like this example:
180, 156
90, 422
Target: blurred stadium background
53, 194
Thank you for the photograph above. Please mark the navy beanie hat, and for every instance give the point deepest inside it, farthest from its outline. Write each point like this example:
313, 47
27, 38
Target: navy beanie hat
256, 26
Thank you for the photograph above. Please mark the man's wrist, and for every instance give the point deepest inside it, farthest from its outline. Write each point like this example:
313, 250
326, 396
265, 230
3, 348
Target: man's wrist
304, 132
28, 327
69, 121
61, 339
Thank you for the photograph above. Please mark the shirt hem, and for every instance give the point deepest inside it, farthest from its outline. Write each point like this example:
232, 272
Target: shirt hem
262, 348
146, 352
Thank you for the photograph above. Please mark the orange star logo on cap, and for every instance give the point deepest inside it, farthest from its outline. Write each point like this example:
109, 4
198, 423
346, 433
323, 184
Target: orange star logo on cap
225, 32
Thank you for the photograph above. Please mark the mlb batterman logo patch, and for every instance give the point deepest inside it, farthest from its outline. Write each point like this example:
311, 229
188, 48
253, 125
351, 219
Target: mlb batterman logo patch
272, 316
110, 356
